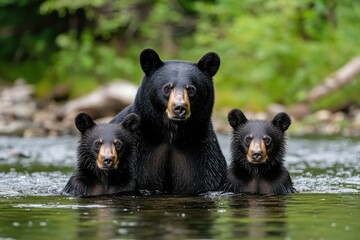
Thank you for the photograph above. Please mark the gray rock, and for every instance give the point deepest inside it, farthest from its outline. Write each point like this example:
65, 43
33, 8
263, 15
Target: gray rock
356, 119
15, 128
24, 110
19, 92
274, 109
323, 115
107, 100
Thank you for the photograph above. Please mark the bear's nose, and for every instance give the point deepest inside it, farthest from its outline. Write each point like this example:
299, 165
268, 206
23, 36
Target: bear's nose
257, 155
108, 161
180, 109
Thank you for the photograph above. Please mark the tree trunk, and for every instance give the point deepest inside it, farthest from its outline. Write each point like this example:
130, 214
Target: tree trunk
341, 77
335, 81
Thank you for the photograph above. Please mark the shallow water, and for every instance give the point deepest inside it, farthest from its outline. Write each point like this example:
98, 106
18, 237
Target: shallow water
326, 172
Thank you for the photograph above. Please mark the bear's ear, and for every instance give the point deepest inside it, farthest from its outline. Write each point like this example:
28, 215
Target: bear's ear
209, 63
282, 121
83, 122
131, 122
236, 117
149, 60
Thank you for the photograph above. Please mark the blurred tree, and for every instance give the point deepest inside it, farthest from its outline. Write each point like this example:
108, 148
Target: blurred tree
275, 51
271, 51
26, 38
104, 48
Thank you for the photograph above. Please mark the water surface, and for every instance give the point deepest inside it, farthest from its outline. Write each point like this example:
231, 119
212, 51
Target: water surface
324, 171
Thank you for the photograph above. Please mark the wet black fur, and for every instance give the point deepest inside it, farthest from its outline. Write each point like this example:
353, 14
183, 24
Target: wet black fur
270, 178
176, 156
88, 179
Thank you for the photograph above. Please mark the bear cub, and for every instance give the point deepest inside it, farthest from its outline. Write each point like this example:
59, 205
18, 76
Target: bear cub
257, 151
105, 157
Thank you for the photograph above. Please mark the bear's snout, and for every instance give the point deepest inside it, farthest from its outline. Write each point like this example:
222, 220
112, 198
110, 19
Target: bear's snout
178, 105
108, 161
107, 157
257, 155
180, 109
257, 151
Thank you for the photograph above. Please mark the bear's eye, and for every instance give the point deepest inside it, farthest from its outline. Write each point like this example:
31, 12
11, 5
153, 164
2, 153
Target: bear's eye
267, 140
191, 90
167, 89
97, 144
248, 139
117, 144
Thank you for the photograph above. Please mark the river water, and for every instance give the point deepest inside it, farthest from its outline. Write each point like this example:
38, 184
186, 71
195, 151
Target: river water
325, 171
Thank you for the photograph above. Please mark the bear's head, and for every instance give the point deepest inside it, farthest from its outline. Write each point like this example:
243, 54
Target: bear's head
177, 90
106, 147
258, 142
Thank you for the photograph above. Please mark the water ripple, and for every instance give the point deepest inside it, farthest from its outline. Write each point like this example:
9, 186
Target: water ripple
36, 166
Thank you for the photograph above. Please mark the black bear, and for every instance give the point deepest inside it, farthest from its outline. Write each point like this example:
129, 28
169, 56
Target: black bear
105, 157
257, 151
178, 151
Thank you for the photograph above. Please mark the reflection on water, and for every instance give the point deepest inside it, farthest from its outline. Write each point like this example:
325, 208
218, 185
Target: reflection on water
267, 216
299, 216
325, 172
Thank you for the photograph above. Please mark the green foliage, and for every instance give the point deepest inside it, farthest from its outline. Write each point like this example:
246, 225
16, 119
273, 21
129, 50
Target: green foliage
271, 51
84, 61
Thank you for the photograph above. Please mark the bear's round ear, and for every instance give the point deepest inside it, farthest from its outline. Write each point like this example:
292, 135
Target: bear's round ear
236, 117
83, 122
282, 121
149, 60
209, 63
131, 122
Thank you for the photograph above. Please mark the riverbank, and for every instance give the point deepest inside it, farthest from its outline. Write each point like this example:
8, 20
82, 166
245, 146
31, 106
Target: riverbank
21, 114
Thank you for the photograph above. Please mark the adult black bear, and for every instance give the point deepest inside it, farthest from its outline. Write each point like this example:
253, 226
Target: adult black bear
106, 157
178, 151
258, 149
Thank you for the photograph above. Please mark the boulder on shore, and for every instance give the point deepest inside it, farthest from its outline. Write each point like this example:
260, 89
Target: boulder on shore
22, 115
105, 101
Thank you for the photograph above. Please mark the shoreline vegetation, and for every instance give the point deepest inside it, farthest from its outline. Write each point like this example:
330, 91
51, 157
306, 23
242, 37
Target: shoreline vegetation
287, 46
301, 57
23, 115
